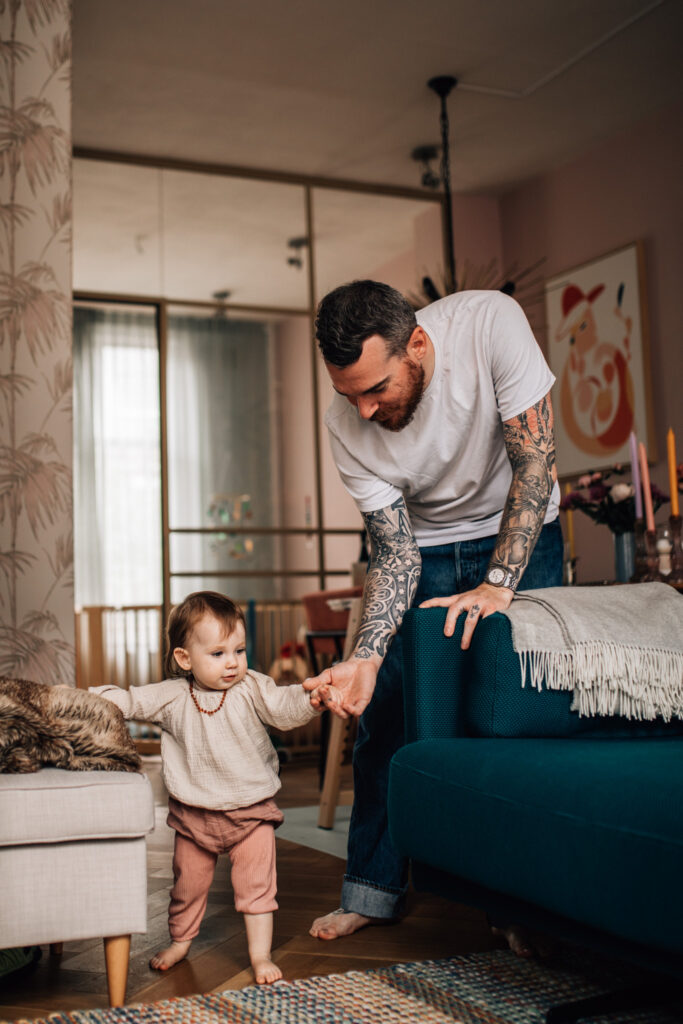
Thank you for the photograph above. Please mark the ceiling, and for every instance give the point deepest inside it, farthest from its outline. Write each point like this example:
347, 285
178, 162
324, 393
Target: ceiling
337, 88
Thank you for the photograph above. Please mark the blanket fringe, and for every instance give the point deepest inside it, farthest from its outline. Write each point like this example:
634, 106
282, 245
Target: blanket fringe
610, 678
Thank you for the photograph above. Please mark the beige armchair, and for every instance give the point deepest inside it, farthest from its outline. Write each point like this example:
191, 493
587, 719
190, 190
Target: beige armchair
73, 861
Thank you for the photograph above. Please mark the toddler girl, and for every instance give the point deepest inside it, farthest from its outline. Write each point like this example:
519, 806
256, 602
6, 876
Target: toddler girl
220, 769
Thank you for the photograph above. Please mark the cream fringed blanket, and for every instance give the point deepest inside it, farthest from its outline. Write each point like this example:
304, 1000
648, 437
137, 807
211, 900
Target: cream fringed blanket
620, 649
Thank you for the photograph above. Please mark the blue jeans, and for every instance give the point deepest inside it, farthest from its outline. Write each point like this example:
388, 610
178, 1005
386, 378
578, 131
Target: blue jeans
376, 876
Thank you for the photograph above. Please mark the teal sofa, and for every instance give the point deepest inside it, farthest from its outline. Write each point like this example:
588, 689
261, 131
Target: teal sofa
504, 798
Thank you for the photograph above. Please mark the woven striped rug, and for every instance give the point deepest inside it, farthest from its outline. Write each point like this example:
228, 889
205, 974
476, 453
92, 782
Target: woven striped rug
484, 988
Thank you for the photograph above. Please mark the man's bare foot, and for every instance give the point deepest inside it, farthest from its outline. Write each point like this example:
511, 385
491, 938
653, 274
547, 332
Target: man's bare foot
173, 954
516, 939
338, 924
524, 943
265, 971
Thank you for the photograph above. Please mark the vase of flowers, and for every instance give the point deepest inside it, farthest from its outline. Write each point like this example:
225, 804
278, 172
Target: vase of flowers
624, 555
612, 501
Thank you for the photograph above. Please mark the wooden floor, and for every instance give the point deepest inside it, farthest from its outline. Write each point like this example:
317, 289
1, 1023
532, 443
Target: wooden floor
308, 884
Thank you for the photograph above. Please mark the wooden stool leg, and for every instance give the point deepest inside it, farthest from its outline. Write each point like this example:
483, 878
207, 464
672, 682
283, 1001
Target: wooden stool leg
56, 948
116, 956
332, 781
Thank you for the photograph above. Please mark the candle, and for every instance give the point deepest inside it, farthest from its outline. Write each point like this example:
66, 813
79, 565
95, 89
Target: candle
635, 476
647, 493
570, 523
673, 478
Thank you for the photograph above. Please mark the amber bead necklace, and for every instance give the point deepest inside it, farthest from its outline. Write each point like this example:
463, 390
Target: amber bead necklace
198, 705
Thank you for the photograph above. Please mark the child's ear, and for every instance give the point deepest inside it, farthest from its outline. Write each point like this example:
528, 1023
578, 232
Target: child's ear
182, 658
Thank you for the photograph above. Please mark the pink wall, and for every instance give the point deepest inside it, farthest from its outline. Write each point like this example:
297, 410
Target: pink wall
477, 238
625, 189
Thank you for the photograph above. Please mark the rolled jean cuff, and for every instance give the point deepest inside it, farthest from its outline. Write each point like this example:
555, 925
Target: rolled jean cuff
362, 898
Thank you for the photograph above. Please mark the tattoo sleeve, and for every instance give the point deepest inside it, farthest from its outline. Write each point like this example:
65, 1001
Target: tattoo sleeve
530, 445
395, 566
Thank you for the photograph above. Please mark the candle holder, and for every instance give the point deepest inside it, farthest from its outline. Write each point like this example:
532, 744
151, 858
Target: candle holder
664, 550
569, 573
647, 559
675, 577
641, 551
652, 558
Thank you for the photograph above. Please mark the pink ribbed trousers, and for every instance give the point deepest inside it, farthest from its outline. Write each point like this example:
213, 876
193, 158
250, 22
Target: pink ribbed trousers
247, 835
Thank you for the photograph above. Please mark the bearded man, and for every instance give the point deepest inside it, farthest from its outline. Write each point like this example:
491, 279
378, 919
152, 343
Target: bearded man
442, 432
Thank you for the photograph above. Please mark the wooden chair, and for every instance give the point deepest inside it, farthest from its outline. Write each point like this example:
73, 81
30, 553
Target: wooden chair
332, 796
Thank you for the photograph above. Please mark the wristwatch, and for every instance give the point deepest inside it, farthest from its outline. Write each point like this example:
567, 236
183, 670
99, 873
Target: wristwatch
497, 576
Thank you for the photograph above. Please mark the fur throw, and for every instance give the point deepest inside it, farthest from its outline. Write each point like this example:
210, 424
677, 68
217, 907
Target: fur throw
60, 727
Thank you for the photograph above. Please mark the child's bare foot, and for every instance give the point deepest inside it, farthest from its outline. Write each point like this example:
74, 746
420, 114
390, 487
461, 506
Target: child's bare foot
259, 939
173, 954
338, 924
265, 971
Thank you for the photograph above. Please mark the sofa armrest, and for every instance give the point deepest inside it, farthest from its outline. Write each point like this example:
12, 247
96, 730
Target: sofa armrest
432, 674
449, 692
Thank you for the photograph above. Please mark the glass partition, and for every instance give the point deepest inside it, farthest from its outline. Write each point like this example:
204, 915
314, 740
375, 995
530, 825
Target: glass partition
116, 228
240, 448
385, 238
246, 588
253, 504
186, 235
234, 238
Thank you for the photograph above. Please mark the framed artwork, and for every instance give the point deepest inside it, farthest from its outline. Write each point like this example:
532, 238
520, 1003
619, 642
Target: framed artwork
598, 349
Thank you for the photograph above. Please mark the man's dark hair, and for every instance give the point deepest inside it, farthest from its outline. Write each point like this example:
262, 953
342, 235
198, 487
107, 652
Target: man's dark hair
352, 313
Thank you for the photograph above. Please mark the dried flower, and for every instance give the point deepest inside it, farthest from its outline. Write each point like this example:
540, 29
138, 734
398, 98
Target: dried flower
620, 492
612, 504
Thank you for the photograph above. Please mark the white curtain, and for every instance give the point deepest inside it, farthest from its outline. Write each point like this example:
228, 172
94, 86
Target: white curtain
117, 480
223, 458
222, 455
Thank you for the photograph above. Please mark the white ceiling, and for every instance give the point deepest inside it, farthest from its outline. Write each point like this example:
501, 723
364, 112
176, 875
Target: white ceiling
337, 88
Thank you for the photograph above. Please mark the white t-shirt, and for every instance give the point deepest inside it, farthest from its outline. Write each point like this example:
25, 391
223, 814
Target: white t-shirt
450, 462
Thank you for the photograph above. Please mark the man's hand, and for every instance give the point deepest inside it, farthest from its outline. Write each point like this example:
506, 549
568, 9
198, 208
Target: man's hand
350, 684
478, 603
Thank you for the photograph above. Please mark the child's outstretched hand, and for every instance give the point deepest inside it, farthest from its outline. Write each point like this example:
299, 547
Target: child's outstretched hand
328, 696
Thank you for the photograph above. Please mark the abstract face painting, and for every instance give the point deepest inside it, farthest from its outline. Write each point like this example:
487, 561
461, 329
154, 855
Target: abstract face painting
595, 349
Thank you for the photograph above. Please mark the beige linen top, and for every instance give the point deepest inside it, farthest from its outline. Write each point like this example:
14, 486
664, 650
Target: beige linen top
220, 761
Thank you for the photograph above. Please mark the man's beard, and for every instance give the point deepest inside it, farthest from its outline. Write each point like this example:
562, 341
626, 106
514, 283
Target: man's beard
399, 415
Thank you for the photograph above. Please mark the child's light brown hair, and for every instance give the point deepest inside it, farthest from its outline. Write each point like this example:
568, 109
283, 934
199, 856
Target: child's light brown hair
186, 615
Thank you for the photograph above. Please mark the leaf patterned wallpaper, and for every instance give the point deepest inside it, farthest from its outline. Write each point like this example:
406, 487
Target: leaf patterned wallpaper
36, 534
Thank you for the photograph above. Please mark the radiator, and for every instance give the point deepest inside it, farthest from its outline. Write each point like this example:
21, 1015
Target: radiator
119, 646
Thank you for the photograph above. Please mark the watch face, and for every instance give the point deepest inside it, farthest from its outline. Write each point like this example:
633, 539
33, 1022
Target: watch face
496, 576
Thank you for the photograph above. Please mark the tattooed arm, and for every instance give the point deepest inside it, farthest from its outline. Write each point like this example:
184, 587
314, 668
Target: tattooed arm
530, 445
391, 582
389, 589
